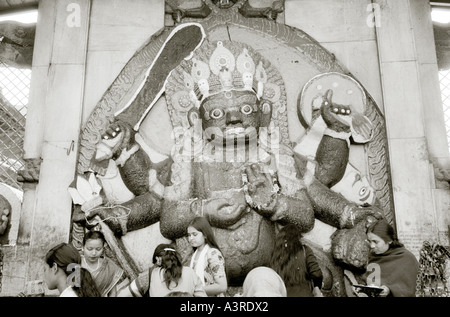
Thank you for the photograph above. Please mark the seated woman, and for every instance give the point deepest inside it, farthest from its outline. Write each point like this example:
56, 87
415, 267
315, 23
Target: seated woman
108, 276
296, 264
391, 266
168, 277
61, 263
207, 260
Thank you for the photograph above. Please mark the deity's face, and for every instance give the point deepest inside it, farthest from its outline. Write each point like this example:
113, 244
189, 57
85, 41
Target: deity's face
355, 188
230, 116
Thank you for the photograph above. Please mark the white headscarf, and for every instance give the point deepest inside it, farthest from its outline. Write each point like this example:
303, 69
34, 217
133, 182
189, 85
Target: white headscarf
263, 282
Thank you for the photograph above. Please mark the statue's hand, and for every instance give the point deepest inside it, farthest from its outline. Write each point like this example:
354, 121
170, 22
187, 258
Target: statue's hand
225, 212
118, 136
337, 117
358, 214
115, 217
260, 189
349, 246
361, 126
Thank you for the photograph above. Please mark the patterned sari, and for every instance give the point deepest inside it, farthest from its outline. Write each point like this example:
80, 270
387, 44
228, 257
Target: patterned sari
109, 277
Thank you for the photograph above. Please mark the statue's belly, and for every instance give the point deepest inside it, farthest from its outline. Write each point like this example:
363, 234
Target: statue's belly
247, 246
249, 242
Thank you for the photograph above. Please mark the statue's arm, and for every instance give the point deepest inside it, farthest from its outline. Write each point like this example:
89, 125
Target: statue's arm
329, 206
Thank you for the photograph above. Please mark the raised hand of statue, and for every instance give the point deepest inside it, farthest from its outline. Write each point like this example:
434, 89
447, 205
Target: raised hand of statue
361, 125
117, 140
336, 116
261, 189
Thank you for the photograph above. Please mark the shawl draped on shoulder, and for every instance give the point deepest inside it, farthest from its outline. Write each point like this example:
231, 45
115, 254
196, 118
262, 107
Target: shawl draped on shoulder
107, 276
399, 269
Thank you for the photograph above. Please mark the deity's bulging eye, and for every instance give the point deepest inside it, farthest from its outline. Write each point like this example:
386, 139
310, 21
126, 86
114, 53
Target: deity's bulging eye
246, 109
266, 107
193, 116
217, 114
363, 191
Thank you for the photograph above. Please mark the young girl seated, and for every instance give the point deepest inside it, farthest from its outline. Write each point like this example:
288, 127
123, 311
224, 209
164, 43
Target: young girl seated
207, 260
108, 276
168, 277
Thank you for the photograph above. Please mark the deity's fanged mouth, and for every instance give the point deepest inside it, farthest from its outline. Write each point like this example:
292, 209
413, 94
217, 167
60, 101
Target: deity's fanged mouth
235, 131
232, 133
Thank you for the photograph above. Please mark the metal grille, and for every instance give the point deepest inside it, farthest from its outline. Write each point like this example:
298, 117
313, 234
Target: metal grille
14, 92
444, 80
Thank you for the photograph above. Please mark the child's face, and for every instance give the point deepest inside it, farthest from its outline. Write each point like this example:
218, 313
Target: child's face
93, 249
195, 237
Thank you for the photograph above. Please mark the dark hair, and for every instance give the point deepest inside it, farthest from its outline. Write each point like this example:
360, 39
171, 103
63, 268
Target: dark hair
159, 251
172, 266
385, 231
288, 257
202, 224
93, 234
65, 254
178, 294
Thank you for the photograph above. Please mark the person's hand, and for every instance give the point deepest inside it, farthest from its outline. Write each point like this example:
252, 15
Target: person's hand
317, 292
358, 292
385, 292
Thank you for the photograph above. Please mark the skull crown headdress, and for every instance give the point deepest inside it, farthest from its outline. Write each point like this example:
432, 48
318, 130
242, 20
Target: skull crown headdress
222, 66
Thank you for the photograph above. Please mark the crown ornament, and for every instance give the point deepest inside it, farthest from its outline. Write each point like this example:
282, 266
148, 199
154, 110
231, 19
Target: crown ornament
222, 66
223, 71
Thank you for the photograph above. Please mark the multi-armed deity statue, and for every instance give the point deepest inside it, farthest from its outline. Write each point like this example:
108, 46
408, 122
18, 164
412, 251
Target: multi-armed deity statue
231, 156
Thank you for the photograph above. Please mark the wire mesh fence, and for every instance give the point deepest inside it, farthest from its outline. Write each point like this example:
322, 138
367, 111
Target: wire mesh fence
14, 93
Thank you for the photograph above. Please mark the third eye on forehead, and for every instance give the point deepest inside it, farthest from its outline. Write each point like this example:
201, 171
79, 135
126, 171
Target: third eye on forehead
223, 103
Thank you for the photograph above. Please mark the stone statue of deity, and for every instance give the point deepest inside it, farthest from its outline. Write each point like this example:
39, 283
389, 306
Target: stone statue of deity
231, 160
